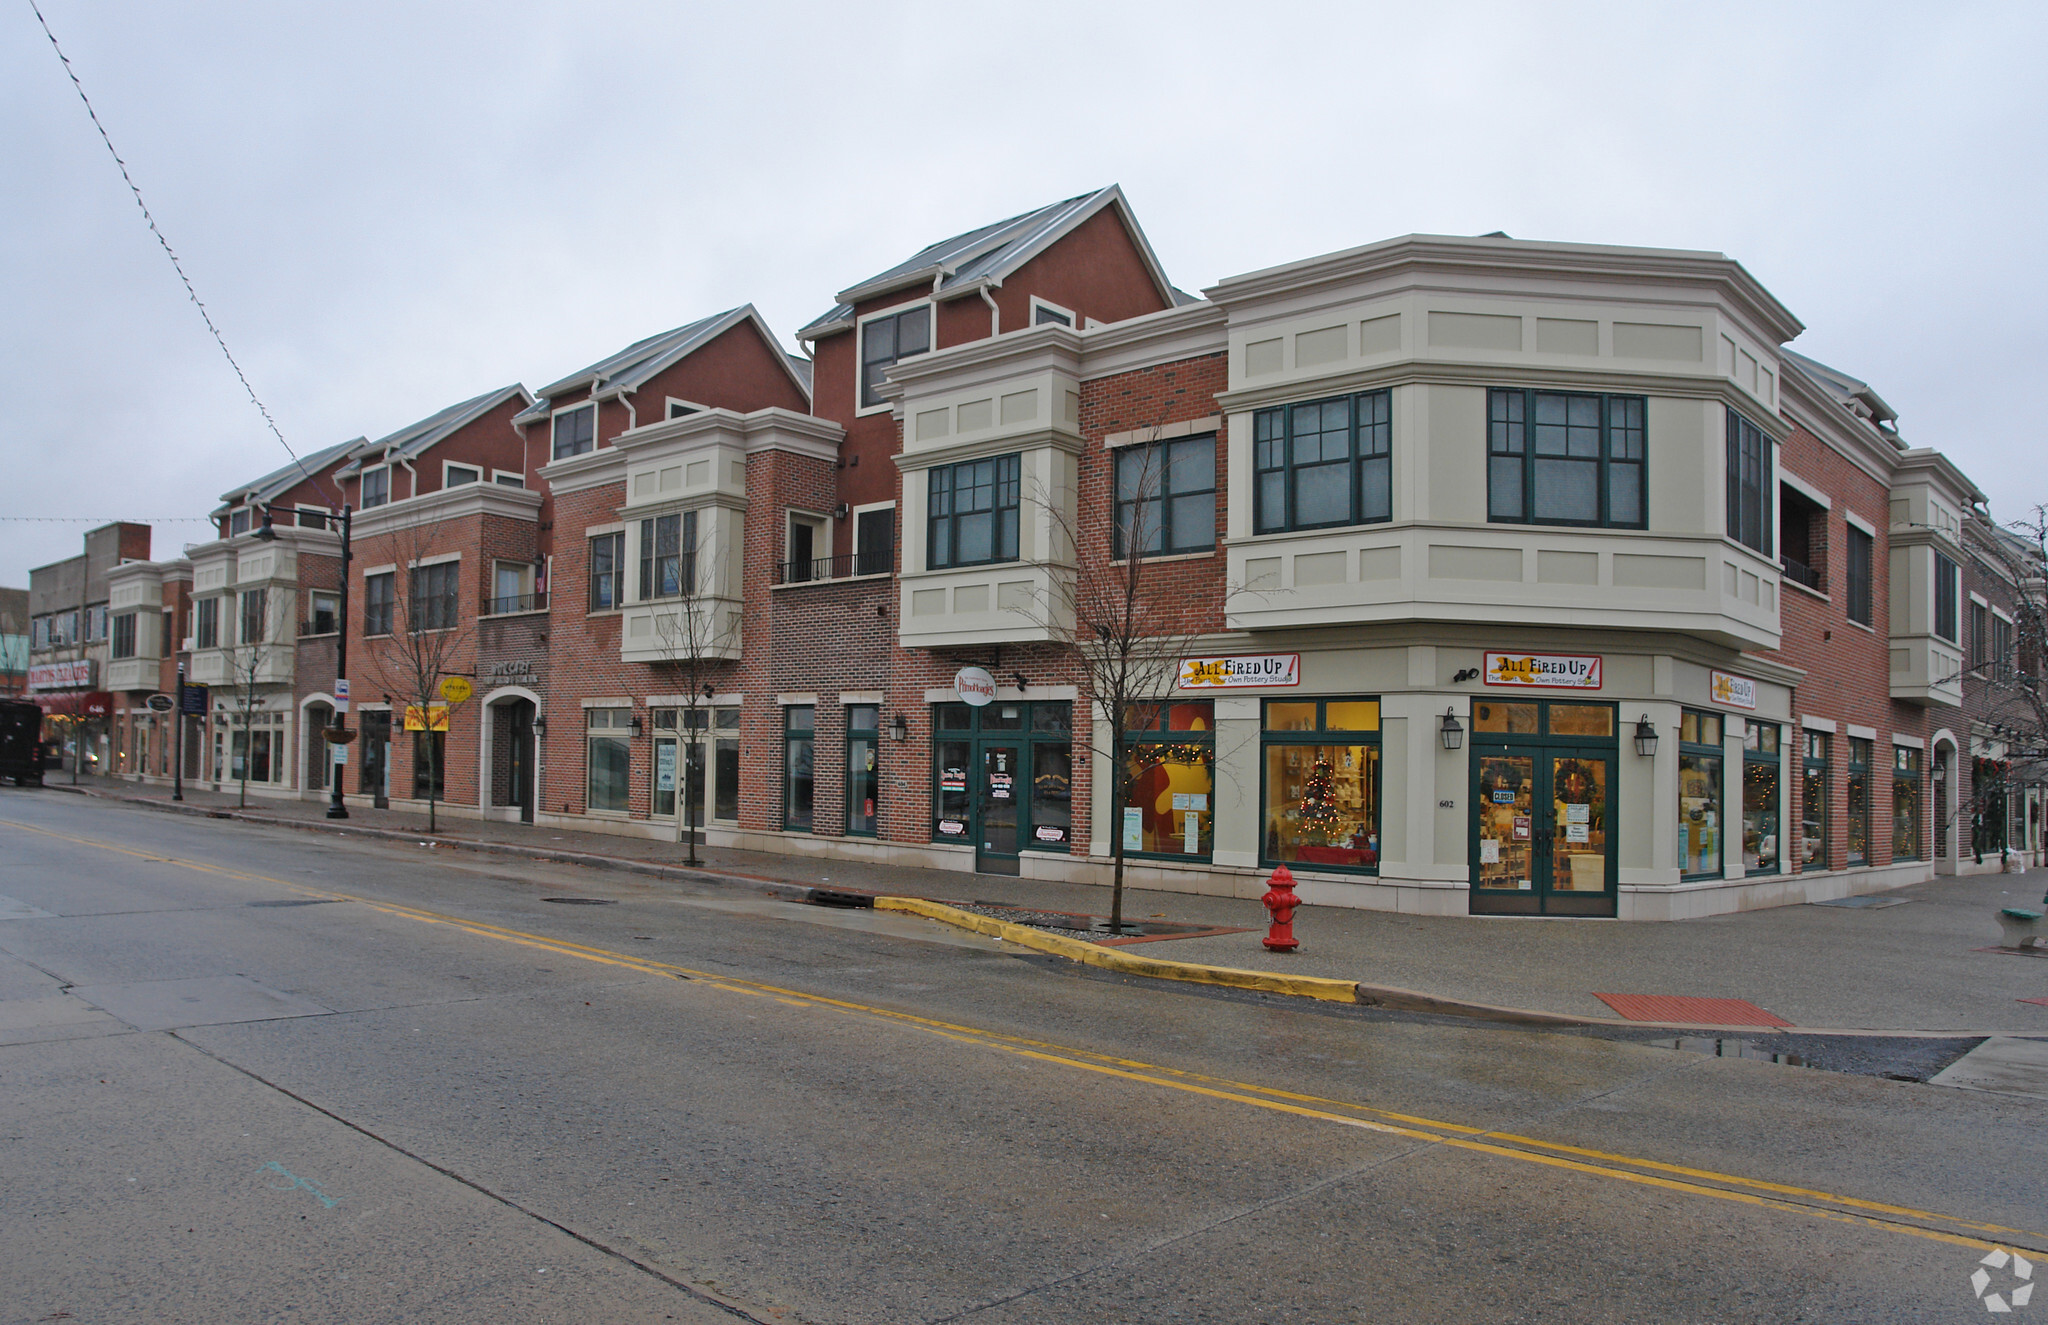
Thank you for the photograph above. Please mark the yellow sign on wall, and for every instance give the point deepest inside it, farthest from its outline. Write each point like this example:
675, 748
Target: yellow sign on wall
415, 721
455, 689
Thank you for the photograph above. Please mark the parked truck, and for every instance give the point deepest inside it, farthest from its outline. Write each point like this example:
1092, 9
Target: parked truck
21, 743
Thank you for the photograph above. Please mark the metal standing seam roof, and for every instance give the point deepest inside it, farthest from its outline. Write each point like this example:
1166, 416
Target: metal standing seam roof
415, 438
630, 367
279, 481
990, 253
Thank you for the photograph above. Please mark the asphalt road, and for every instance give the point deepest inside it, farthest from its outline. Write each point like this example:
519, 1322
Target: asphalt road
268, 1075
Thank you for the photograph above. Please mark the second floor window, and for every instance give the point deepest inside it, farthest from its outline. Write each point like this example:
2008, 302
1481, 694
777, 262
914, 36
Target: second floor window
668, 556
326, 614
2001, 649
1749, 484
884, 340
607, 572
1166, 496
1555, 458
1324, 463
874, 541
433, 595
206, 623
377, 600
1945, 593
1856, 578
255, 607
124, 635
575, 431
973, 513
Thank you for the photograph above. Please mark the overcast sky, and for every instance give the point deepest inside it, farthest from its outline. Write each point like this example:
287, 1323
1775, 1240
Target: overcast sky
392, 207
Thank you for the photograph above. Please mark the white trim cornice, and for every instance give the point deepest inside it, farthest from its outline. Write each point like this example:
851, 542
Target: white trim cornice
449, 504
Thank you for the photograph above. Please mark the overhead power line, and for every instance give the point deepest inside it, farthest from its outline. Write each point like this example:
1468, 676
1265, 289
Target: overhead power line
171, 253
112, 519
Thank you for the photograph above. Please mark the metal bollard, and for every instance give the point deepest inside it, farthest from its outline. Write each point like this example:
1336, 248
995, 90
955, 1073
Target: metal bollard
1280, 903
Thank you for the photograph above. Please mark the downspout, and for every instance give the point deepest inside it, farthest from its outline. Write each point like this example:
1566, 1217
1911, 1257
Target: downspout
995, 315
413, 474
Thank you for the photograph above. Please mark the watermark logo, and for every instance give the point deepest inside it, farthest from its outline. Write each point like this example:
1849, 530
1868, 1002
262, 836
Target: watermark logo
2015, 1282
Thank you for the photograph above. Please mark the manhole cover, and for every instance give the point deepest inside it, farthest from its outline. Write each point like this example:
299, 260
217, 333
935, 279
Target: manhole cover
582, 901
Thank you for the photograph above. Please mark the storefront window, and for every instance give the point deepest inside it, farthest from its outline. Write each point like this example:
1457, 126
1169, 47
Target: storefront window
610, 743
1322, 784
1699, 794
725, 773
798, 722
1813, 805
1905, 803
977, 753
1170, 758
861, 779
1760, 798
1857, 830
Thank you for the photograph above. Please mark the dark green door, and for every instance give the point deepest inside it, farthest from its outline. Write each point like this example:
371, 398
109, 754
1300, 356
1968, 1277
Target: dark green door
1543, 831
1000, 825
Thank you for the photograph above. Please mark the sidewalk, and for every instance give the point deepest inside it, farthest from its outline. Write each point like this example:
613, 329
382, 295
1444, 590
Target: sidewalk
1913, 967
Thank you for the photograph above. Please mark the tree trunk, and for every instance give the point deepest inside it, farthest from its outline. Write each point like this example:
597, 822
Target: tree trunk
1122, 792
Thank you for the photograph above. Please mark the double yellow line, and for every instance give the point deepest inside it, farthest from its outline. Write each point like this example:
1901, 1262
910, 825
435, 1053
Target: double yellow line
1614, 1167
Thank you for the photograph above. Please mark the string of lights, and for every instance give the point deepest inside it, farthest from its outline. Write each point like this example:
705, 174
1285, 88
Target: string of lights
190, 290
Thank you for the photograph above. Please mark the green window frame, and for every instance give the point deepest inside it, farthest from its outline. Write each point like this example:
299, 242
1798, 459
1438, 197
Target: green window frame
973, 513
1813, 803
1702, 815
863, 770
1763, 801
1312, 752
799, 767
1567, 458
1908, 834
1749, 484
1166, 494
1947, 591
1860, 556
1323, 464
1856, 818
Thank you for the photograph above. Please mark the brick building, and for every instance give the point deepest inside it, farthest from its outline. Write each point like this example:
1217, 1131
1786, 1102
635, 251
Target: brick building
70, 643
1513, 578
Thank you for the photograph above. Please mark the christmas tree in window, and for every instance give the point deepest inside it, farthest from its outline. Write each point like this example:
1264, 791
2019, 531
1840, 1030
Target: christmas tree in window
1319, 815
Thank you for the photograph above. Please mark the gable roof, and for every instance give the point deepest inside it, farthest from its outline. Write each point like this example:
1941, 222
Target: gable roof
631, 367
985, 256
279, 481
415, 438
1852, 394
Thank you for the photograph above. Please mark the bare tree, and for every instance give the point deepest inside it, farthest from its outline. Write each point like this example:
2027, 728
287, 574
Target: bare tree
257, 615
2011, 693
427, 642
1122, 637
696, 633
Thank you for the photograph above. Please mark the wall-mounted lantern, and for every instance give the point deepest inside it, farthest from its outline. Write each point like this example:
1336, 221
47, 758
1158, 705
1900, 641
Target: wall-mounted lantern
1646, 737
1453, 735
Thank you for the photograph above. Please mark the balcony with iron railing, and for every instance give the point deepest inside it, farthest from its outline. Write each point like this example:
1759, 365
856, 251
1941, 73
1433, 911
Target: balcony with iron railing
875, 561
508, 604
1798, 572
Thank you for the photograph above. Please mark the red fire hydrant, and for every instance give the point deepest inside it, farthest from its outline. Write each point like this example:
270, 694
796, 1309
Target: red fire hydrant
1280, 903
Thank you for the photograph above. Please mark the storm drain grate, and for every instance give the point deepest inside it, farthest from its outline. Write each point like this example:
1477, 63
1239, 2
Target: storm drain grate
1695, 1011
1867, 902
582, 901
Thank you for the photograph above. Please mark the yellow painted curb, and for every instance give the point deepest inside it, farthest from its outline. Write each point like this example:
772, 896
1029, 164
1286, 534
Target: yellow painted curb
1116, 959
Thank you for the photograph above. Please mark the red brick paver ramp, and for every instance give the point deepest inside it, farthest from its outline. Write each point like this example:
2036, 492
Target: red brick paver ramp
1699, 1011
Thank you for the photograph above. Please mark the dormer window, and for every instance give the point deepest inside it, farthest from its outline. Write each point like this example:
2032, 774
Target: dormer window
238, 523
376, 486
575, 431
886, 339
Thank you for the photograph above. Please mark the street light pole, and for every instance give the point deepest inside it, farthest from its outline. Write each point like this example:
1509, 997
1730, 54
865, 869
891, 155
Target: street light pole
336, 808
178, 717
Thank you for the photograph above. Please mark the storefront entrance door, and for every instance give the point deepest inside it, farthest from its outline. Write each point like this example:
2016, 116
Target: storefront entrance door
1543, 831
1001, 783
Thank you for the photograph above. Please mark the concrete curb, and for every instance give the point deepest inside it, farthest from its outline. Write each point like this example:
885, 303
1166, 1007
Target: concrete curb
1117, 959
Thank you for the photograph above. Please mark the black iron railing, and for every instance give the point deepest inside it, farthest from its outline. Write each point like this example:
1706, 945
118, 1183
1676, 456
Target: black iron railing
1800, 573
833, 568
503, 604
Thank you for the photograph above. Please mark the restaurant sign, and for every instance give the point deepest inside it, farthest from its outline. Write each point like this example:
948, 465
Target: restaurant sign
1258, 669
73, 675
1736, 692
1556, 671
